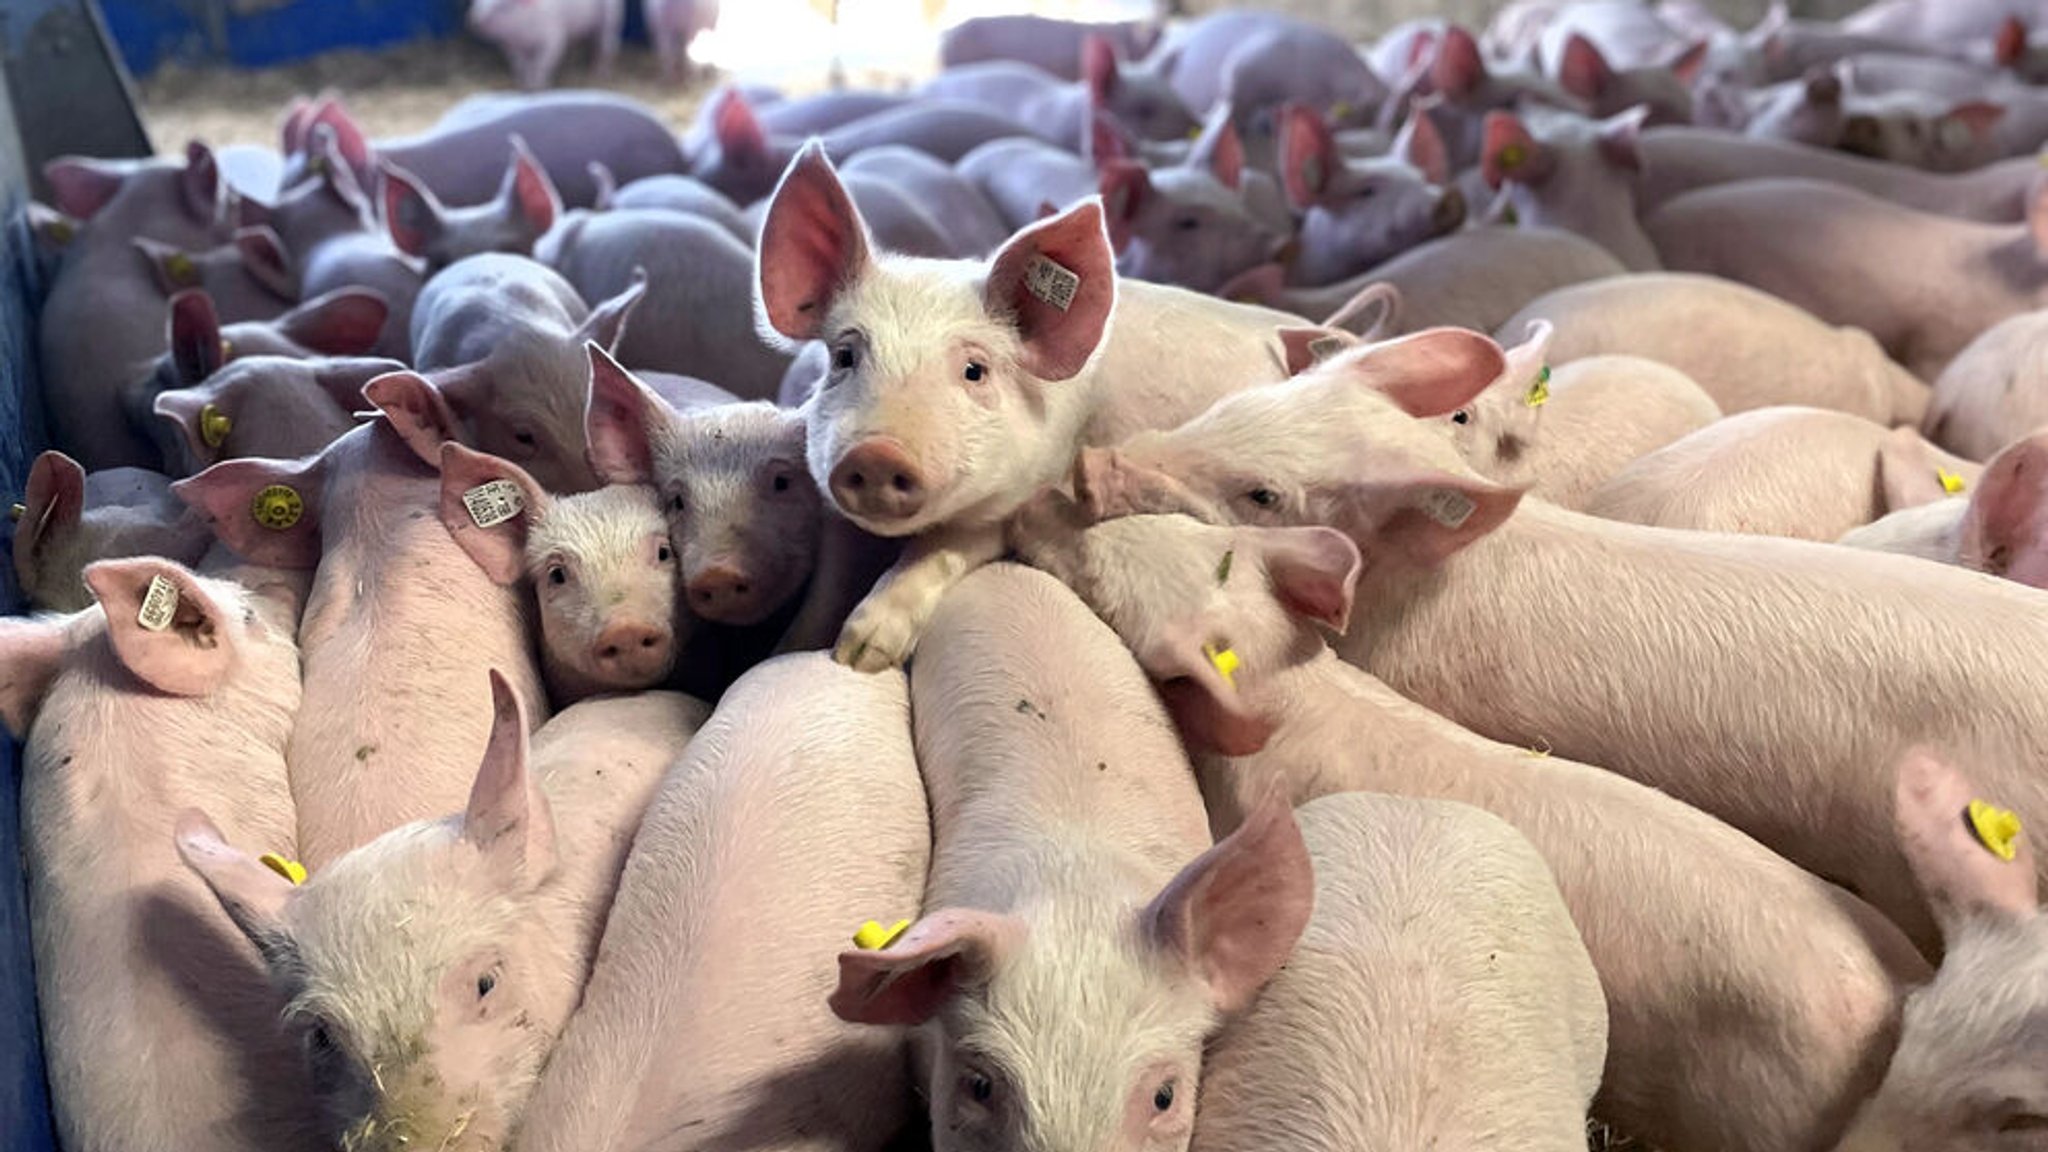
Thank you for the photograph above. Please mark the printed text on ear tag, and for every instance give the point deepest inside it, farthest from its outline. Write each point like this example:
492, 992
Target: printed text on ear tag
291, 870
1448, 506
1997, 829
872, 937
277, 507
1052, 282
159, 605
493, 502
1539, 391
1951, 483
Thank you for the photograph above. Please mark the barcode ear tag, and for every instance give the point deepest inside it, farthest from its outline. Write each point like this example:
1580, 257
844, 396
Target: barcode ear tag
1323, 347
1052, 282
159, 605
493, 502
1448, 507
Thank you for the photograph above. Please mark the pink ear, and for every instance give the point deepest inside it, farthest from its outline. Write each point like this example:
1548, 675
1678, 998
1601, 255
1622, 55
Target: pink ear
531, 193
1106, 140
619, 421
189, 657
1098, 67
739, 133
1430, 373
1459, 68
2011, 44
1421, 515
31, 652
1908, 470
253, 896
1621, 138
80, 187
1303, 348
412, 214
182, 407
1979, 116
606, 325
1213, 713
813, 244
508, 820
1314, 572
416, 410
1962, 878
499, 549
1124, 185
232, 494
195, 336
1510, 152
1584, 72
1234, 914
1226, 155
935, 959
344, 322
264, 258
54, 499
348, 136
1308, 154
293, 129
1423, 146
201, 183
2005, 530
1687, 64
1056, 280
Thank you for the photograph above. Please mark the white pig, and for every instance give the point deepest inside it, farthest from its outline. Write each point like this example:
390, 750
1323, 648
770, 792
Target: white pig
1993, 392
2001, 527
69, 518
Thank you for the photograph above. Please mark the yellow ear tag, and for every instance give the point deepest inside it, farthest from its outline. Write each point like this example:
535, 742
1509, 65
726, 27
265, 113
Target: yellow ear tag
1539, 391
214, 426
1998, 829
1195, 133
291, 870
181, 270
277, 507
1950, 482
1511, 157
16, 511
872, 937
1225, 660
1340, 110
61, 232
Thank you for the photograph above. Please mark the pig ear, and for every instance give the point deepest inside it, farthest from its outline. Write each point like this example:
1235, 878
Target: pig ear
1308, 155
1423, 146
344, 322
1056, 280
1099, 67
935, 960
1124, 185
1431, 373
529, 195
1234, 914
349, 140
193, 650
2005, 530
53, 230
606, 326
1978, 117
1106, 139
813, 244
1908, 470
1584, 71
2011, 43
1510, 152
1964, 879
1314, 572
1621, 138
264, 258
1210, 710
1261, 284
508, 820
497, 545
174, 268
1375, 311
200, 183
1459, 68
619, 422
196, 348
31, 652
1303, 348
1687, 64
412, 213
267, 511
343, 378
1420, 514
53, 503
416, 410
738, 131
1226, 154
80, 187
183, 408
253, 896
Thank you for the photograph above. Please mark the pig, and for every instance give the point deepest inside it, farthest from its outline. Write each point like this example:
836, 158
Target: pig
1678, 160
345, 322
1935, 134
1192, 225
1053, 45
1499, 1046
821, 112
1808, 111
535, 33
1068, 868
430, 970
938, 439
1021, 176
244, 277
524, 209
1138, 97
1734, 341
504, 337
1960, 1077
1561, 170
1935, 23
370, 262
895, 219
964, 216
1807, 473
599, 565
697, 288
1468, 90
1260, 60
263, 406
1991, 393
685, 194
1818, 971
1476, 279
1998, 528
397, 621
1665, 89
1727, 652
176, 689
1980, 273
69, 518
705, 1011
179, 204
673, 25
326, 203
1631, 34
1358, 214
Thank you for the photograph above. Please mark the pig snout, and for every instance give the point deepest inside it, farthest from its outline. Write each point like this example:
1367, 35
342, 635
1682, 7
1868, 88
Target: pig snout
726, 593
877, 481
632, 652
1449, 214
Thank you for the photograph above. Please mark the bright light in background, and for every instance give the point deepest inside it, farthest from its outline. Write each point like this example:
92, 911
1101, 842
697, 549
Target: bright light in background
792, 42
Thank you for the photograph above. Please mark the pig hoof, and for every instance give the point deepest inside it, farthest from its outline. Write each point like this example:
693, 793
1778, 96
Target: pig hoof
875, 641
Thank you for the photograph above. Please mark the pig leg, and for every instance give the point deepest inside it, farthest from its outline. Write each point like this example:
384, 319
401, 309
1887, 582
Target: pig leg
849, 560
885, 628
539, 66
609, 28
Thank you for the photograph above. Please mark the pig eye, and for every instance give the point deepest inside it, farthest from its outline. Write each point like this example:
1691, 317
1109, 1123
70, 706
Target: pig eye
1162, 1100
525, 439
979, 1087
845, 357
1188, 223
975, 372
781, 482
1366, 193
485, 983
675, 502
1461, 416
662, 555
557, 574
1263, 497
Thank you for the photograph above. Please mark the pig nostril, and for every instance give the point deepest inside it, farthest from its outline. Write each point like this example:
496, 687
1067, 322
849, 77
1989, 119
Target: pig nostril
740, 588
902, 482
609, 652
855, 480
648, 642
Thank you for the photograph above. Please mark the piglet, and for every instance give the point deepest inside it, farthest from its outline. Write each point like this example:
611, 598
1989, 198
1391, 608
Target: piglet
685, 194
1357, 214
1609, 90
704, 1021
161, 1032
535, 33
673, 25
345, 322
1261, 60
1561, 170
430, 970
1053, 45
2001, 528
1138, 96
1194, 224
1993, 392
263, 406
524, 209
1078, 944
69, 518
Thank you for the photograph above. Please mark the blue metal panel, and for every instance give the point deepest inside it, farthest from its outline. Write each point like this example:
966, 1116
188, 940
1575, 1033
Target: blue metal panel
253, 33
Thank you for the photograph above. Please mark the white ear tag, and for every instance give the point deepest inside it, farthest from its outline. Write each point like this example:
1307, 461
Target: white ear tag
493, 502
1448, 507
1052, 282
159, 605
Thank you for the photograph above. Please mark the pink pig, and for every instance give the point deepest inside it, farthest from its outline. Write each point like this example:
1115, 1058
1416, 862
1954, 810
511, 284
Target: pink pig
1360, 213
263, 406
70, 518
524, 209
1994, 391
2001, 528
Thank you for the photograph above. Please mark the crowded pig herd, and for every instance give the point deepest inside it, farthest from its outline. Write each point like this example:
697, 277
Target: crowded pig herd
1224, 589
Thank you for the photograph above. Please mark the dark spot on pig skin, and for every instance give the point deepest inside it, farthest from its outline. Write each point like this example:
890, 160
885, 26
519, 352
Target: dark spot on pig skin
1027, 708
416, 514
364, 753
1102, 766
1509, 449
